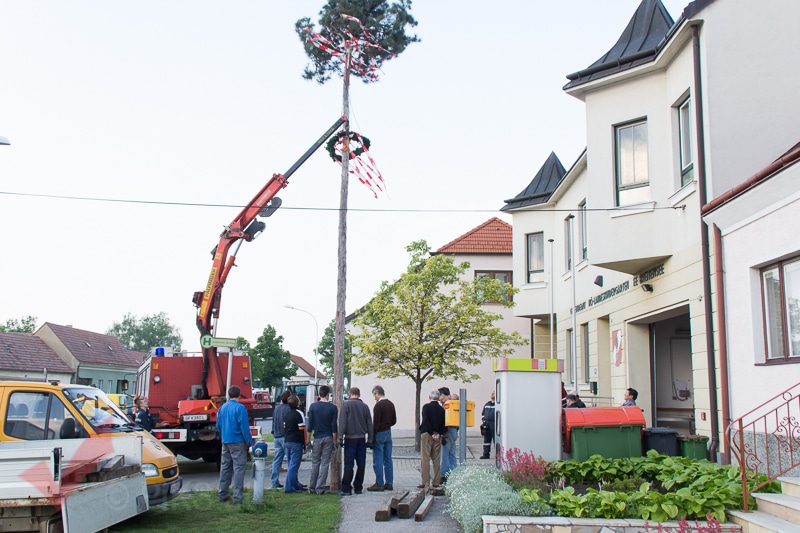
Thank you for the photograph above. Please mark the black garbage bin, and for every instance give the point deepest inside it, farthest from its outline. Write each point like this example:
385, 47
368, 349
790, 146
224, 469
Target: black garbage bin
662, 440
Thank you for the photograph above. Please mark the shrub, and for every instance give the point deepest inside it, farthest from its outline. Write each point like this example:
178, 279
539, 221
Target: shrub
474, 491
523, 470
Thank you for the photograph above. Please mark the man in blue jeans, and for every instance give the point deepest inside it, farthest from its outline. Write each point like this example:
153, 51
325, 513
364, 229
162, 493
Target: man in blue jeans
449, 446
234, 429
384, 417
355, 422
279, 433
322, 422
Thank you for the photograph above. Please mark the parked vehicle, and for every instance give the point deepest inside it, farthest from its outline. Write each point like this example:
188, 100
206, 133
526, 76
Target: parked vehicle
52, 485
125, 402
34, 411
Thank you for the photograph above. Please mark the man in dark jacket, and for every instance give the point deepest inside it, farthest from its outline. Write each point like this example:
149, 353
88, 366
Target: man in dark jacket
487, 422
355, 422
279, 433
431, 428
384, 417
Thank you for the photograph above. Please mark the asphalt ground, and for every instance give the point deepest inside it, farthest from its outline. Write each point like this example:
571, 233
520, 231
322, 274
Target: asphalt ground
358, 510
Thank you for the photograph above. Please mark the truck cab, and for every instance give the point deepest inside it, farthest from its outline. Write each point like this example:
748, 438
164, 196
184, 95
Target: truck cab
47, 411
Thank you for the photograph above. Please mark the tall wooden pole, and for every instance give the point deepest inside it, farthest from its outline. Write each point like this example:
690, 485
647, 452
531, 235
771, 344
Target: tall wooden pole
341, 291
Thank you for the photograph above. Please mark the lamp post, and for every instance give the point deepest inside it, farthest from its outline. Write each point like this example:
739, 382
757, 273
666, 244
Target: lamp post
316, 346
573, 338
4, 141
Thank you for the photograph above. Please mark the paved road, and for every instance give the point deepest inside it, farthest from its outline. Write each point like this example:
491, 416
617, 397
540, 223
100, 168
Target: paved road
358, 511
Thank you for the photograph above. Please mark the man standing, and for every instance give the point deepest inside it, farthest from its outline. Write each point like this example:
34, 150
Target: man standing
630, 397
322, 422
384, 417
234, 429
279, 432
449, 445
355, 421
431, 428
487, 419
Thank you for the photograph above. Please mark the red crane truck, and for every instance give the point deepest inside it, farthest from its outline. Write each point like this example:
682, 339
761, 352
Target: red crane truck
186, 392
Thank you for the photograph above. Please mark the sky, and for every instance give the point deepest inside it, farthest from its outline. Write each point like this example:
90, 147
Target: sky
139, 129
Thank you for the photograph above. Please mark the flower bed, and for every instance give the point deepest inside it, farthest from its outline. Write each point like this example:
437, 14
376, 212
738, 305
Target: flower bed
655, 488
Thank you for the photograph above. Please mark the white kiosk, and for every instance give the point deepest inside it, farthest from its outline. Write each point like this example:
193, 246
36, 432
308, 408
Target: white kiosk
528, 406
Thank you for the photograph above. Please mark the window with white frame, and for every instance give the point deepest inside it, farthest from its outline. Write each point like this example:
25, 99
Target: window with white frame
685, 142
633, 179
780, 290
582, 231
535, 256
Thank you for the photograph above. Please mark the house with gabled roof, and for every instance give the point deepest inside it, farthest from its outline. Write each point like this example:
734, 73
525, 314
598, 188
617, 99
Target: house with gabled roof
306, 371
26, 357
96, 359
488, 249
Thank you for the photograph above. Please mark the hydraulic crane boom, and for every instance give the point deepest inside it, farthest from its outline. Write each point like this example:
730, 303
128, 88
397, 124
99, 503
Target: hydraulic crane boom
244, 227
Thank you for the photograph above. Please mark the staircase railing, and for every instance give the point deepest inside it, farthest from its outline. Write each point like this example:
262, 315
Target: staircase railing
766, 441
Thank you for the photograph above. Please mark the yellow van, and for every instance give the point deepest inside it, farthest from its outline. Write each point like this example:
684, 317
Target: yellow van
124, 401
46, 411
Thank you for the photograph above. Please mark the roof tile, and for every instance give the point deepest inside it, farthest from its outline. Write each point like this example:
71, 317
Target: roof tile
491, 237
23, 352
95, 348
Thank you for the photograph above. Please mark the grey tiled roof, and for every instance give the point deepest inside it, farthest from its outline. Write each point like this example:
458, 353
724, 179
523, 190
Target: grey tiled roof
23, 352
541, 187
95, 348
643, 37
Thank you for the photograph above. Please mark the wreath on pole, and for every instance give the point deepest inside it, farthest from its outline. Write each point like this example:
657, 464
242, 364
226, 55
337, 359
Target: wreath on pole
343, 141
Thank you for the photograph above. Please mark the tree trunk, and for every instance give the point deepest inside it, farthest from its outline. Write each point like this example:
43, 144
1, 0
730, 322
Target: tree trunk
417, 438
341, 291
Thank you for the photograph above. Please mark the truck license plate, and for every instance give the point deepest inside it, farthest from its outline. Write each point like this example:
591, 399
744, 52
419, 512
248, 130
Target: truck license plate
195, 418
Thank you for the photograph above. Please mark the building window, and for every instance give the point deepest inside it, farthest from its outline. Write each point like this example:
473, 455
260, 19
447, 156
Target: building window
567, 244
633, 180
535, 256
685, 142
780, 289
502, 275
585, 351
582, 231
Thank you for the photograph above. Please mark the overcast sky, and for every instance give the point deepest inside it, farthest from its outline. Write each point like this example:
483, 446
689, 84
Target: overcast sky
180, 111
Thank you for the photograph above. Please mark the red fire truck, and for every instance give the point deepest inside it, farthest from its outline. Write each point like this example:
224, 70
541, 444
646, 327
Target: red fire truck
185, 392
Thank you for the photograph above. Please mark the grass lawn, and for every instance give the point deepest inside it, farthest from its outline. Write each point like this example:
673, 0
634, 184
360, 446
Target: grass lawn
200, 511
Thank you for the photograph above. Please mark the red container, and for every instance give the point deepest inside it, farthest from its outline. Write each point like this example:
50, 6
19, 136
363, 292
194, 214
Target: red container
600, 417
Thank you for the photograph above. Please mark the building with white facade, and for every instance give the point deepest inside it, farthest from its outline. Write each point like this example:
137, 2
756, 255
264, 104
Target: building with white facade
612, 256
487, 248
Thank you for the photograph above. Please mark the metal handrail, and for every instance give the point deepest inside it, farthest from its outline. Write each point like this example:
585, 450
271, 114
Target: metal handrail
766, 440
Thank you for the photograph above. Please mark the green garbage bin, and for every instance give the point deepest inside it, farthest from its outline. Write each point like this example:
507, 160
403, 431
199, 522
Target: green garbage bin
612, 432
693, 446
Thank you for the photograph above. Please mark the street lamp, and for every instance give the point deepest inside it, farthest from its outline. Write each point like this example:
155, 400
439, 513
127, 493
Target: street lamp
4, 141
316, 346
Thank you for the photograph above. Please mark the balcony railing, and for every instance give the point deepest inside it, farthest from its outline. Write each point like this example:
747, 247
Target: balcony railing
766, 441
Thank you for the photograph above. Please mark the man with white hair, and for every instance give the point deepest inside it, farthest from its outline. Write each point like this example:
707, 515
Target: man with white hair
431, 428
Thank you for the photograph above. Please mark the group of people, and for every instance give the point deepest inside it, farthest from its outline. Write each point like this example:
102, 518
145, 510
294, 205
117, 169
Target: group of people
355, 429
572, 400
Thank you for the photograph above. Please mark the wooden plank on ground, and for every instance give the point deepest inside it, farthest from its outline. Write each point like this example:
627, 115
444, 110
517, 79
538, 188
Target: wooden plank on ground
389, 504
409, 505
423, 509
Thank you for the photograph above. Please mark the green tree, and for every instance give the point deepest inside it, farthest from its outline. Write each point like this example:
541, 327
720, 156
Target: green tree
432, 324
270, 362
145, 333
325, 351
26, 324
386, 23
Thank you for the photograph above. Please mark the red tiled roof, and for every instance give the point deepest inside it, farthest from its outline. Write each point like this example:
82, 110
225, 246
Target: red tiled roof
491, 237
26, 353
95, 348
306, 367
